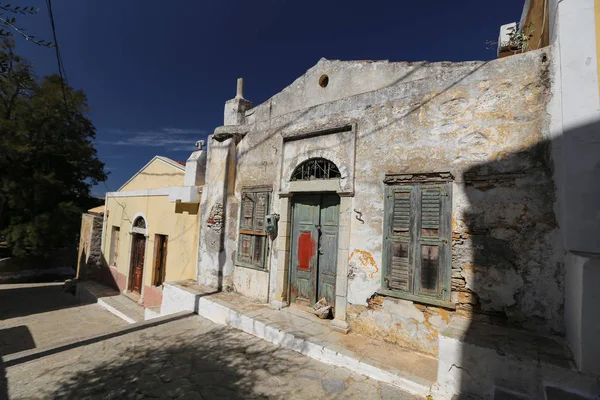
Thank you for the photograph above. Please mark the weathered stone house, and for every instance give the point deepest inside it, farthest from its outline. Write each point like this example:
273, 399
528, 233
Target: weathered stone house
426, 202
439, 192
443, 207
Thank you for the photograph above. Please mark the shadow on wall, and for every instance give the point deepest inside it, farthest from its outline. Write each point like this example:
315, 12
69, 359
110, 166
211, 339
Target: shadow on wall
509, 248
98, 271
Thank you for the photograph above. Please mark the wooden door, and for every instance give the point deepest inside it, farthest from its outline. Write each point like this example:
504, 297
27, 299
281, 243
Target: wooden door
328, 247
137, 262
314, 248
305, 236
160, 259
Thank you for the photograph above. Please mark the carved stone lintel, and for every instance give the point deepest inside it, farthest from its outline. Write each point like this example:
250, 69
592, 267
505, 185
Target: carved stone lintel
418, 177
225, 132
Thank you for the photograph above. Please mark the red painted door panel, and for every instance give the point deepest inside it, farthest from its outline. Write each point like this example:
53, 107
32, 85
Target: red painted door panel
314, 248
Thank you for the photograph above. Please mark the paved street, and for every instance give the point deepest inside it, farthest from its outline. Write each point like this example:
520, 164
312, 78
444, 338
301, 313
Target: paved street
34, 315
187, 358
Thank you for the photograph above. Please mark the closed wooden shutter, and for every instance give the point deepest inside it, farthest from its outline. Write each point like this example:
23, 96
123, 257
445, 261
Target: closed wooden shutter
401, 212
430, 211
399, 239
430, 243
260, 212
247, 210
417, 259
252, 240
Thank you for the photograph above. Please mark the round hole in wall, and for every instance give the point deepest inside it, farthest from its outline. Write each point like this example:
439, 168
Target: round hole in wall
323, 81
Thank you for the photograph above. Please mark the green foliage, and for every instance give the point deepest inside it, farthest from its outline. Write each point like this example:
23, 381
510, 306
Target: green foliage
519, 37
47, 158
8, 25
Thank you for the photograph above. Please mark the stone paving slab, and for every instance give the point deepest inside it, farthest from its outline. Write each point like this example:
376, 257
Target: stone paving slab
306, 334
188, 358
35, 315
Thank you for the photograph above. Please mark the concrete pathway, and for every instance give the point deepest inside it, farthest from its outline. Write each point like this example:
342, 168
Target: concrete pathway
187, 358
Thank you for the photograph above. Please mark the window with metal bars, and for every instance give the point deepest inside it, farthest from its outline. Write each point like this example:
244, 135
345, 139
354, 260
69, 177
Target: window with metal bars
252, 241
315, 168
417, 242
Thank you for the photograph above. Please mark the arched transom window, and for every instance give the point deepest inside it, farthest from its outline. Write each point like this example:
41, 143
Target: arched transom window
139, 222
315, 168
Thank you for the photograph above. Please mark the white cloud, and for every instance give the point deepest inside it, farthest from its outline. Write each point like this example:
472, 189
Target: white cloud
173, 139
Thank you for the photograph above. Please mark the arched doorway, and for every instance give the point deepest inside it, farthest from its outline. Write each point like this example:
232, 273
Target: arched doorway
138, 251
314, 235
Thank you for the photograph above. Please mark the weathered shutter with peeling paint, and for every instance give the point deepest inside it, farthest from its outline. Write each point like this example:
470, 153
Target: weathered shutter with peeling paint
430, 240
247, 210
260, 211
417, 256
252, 238
398, 240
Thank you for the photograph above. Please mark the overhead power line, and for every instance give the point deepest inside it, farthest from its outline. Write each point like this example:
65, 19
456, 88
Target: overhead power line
61, 68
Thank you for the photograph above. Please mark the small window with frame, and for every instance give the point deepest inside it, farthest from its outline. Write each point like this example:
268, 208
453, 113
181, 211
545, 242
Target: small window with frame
252, 239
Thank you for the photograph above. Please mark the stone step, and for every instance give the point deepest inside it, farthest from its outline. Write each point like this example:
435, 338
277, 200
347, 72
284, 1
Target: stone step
123, 307
110, 299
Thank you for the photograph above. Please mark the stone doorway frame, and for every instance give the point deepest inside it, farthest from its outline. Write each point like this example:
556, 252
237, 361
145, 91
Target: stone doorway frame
282, 289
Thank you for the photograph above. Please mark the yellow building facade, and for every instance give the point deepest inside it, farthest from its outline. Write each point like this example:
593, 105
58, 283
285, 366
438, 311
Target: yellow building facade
150, 233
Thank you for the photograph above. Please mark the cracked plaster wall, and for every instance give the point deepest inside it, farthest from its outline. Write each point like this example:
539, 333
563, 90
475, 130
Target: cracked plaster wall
485, 122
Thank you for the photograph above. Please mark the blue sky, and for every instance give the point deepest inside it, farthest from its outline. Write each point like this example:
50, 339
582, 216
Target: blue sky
157, 73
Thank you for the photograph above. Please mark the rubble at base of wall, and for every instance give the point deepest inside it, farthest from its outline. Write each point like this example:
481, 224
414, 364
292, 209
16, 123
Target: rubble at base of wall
402, 322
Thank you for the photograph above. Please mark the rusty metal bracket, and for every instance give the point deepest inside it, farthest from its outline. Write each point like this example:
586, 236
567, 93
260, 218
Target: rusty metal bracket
359, 216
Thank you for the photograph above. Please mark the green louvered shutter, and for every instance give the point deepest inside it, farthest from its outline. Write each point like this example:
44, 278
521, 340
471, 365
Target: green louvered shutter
432, 240
398, 240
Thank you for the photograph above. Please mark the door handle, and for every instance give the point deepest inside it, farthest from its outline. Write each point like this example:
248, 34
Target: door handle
319, 249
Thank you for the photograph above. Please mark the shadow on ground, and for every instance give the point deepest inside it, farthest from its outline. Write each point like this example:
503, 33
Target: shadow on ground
3, 384
217, 363
26, 300
15, 339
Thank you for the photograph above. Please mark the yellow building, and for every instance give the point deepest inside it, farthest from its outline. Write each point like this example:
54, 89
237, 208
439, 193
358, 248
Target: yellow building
151, 227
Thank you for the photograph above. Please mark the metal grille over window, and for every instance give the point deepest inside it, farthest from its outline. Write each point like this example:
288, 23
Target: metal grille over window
252, 239
316, 168
139, 223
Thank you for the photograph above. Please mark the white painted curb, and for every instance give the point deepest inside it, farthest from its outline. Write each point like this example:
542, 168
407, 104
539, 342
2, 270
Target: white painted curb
116, 312
309, 347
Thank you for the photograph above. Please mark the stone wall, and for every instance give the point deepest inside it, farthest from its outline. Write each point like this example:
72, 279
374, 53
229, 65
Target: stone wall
484, 122
89, 255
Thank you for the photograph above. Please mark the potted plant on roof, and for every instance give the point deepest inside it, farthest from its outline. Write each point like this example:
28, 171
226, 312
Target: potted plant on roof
518, 40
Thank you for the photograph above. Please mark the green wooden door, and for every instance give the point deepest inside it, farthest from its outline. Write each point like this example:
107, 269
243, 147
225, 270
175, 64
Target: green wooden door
315, 227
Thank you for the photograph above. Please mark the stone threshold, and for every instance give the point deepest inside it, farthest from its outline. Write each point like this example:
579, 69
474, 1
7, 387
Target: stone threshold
118, 304
306, 334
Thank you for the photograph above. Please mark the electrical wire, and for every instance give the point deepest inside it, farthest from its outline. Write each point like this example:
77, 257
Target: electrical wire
61, 68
